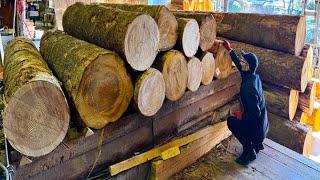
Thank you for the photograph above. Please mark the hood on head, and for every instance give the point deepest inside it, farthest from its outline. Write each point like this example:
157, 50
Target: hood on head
252, 61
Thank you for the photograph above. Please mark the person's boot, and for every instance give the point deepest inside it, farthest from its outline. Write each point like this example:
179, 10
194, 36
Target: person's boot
258, 147
246, 157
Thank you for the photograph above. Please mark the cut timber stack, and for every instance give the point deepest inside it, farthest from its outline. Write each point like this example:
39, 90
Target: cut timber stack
167, 23
36, 116
188, 37
134, 35
95, 78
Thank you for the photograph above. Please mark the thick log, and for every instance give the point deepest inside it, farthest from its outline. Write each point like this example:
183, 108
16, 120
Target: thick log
287, 133
167, 23
174, 68
188, 37
281, 101
208, 67
194, 74
222, 58
135, 36
207, 25
149, 92
95, 78
278, 68
36, 117
307, 99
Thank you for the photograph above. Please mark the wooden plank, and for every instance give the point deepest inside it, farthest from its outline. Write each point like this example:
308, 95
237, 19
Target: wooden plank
155, 152
189, 154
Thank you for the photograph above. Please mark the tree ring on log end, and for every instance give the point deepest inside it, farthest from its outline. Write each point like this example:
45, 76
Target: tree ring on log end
142, 42
105, 91
293, 103
208, 68
300, 35
207, 32
195, 74
149, 92
168, 29
191, 38
36, 118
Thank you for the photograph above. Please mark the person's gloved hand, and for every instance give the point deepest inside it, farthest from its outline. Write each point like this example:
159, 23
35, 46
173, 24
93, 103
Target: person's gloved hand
238, 115
227, 45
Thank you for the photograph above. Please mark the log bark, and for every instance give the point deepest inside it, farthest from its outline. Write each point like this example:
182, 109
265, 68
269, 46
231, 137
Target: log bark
281, 101
188, 36
264, 30
149, 92
95, 78
307, 99
174, 68
194, 74
167, 23
36, 117
278, 68
207, 25
133, 35
208, 67
222, 58
287, 133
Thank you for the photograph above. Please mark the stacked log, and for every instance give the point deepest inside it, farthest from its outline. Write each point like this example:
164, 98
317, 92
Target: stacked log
188, 36
307, 99
95, 78
223, 62
194, 74
208, 67
133, 35
36, 115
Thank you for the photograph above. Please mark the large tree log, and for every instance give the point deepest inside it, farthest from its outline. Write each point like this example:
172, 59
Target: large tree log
222, 58
174, 68
281, 101
189, 36
287, 133
194, 74
208, 27
307, 99
277, 67
264, 30
167, 23
149, 92
208, 68
36, 117
133, 35
95, 78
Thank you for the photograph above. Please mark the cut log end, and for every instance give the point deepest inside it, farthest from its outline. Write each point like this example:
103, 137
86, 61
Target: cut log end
149, 92
175, 74
142, 42
105, 91
190, 37
195, 74
300, 35
208, 32
305, 75
223, 62
293, 103
208, 68
168, 29
36, 118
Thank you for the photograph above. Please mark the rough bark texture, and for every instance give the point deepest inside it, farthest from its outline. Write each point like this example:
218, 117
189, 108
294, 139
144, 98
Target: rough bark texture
278, 68
36, 117
287, 133
133, 35
167, 23
264, 30
208, 27
95, 78
222, 59
188, 36
306, 99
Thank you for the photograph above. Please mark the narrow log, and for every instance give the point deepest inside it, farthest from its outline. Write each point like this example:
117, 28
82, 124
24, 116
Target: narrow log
149, 92
167, 23
36, 117
208, 27
135, 36
307, 53
222, 58
307, 99
189, 36
95, 78
281, 101
278, 68
208, 67
287, 133
194, 74
174, 68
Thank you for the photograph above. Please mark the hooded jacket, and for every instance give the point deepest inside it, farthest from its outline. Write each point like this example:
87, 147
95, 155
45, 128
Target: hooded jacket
252, 97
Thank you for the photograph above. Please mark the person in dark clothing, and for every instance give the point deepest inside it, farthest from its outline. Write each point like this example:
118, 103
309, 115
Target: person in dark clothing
251, 126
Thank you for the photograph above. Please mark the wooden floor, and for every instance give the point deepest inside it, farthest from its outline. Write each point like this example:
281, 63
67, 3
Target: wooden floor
274, 162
